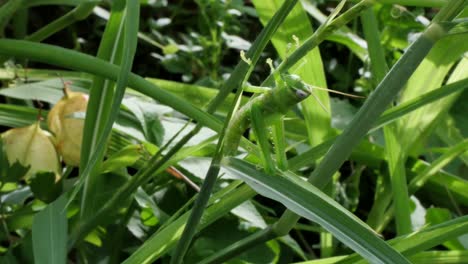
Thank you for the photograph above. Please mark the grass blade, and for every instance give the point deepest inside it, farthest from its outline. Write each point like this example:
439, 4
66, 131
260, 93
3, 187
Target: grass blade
49, 233
80, 12
129, 48
306, 200
166, 239
424, 239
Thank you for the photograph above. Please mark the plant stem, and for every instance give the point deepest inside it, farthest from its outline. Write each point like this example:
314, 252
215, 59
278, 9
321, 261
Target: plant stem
80, 12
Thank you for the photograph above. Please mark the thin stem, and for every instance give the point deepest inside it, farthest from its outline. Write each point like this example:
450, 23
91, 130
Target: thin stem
80, 12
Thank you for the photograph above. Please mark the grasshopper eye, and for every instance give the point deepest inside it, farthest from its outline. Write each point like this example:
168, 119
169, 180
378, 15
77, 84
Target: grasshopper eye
302, 94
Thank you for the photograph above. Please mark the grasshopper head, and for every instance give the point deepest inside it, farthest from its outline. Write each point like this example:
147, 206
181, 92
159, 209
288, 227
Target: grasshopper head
294, 82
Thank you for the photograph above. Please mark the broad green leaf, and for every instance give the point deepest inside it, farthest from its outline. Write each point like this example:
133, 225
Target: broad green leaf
17, 196
308, 201
49, 234
147, 113
48, 91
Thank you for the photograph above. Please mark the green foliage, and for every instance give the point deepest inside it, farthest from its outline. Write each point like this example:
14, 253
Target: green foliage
329, 180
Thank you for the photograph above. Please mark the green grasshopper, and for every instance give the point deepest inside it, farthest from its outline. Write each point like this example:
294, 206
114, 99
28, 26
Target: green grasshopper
267, 108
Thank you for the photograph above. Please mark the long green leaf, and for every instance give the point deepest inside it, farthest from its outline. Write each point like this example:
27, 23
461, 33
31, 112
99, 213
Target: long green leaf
81, 62
31, 3
424, 239
129, 48
49, 233
308, 201
80, 12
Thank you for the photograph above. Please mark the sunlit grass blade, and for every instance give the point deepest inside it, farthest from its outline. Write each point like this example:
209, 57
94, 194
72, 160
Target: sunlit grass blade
451, 154
378, 64
446, 257
416, 127
306, 200
424, 239
396, 112
396, 165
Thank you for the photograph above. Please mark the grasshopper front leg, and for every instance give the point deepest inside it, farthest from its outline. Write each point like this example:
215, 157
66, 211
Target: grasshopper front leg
260, 129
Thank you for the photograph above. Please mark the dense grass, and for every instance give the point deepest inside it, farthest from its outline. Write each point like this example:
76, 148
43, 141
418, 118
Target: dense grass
335, 179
